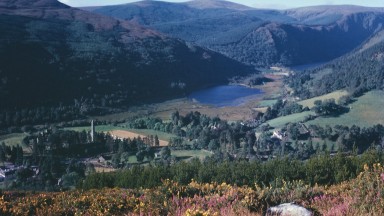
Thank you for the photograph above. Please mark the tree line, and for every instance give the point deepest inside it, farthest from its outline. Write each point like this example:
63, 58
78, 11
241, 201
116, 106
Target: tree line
322, 169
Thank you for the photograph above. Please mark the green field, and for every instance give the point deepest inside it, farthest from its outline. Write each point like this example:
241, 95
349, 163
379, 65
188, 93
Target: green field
335, 95
267, 103
201, 154
281, 121
365, 112
15, 139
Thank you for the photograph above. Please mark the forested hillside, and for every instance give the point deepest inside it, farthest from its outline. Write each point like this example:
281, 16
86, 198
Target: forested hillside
360, 71
52, 54
258, 37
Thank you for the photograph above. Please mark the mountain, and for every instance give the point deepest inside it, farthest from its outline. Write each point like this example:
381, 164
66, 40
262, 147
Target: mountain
328, 14
216, 4
258, 37
359, 71
51, 53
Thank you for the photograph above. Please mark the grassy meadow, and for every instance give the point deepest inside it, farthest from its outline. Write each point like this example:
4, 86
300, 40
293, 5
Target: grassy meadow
366, 111
189, 154
333, 95
15, 139
283, 120
267, 103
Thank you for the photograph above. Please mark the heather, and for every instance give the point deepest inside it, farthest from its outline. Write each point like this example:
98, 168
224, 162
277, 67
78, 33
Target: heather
360, 196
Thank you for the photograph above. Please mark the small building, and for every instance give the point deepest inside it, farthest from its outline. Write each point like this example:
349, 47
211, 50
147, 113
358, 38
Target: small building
101, 159
277, 134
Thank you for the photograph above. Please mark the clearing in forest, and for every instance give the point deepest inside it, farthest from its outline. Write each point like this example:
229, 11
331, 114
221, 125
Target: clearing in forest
127, 134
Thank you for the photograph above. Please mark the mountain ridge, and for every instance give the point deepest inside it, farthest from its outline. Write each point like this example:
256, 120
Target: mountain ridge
70, 53
260, 37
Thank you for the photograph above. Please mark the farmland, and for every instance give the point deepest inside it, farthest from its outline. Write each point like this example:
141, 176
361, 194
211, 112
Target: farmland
333, 95
15, 139
121, 132
188, 154
366, 111
128, 134
281, 121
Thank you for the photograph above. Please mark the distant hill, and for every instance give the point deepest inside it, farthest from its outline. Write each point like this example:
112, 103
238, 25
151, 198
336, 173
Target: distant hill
258, 37
328, 14
216, 4
359, 71
51, 53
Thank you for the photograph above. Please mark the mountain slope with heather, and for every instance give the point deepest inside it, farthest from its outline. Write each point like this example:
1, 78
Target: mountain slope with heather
51, 53
258, 37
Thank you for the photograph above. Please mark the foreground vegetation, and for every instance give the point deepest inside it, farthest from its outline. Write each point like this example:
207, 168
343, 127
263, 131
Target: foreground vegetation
360, 196
322, 170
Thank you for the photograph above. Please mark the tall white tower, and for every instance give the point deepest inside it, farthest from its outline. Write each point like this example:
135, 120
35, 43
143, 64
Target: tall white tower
92, 131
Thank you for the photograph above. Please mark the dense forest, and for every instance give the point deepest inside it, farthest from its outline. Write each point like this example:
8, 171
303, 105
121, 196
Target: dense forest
358, 72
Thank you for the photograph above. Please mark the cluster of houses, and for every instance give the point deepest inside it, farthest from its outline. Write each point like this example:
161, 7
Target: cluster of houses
8, 171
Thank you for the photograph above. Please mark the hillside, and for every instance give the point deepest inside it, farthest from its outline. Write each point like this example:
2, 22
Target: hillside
258, 37
359, 71
361, 195
51, 53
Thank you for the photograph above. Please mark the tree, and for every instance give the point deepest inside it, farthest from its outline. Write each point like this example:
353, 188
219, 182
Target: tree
213, 145
70, 179
116, 159
140, 156
165, 153
19, 155
250, 141
89, 169
157, 142
2, 153
328, 107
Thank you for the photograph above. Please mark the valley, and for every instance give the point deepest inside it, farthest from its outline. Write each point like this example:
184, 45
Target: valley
204, 107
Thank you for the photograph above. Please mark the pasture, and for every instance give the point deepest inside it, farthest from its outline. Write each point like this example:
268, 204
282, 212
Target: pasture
366, 111
333, 95
125, 134
283, 120
15, 139
189, 154
267, 103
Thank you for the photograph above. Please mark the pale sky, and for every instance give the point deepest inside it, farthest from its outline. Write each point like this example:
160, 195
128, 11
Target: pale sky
273, 4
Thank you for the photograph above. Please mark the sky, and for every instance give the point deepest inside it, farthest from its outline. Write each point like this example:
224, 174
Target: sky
273, 4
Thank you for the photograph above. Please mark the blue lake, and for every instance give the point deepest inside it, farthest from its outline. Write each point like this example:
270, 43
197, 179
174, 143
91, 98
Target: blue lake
225, 95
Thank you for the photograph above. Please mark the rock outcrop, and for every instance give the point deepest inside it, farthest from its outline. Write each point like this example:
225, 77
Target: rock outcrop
288, 209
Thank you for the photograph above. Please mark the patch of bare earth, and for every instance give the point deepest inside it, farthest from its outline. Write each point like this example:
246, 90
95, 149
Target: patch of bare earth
127, 134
